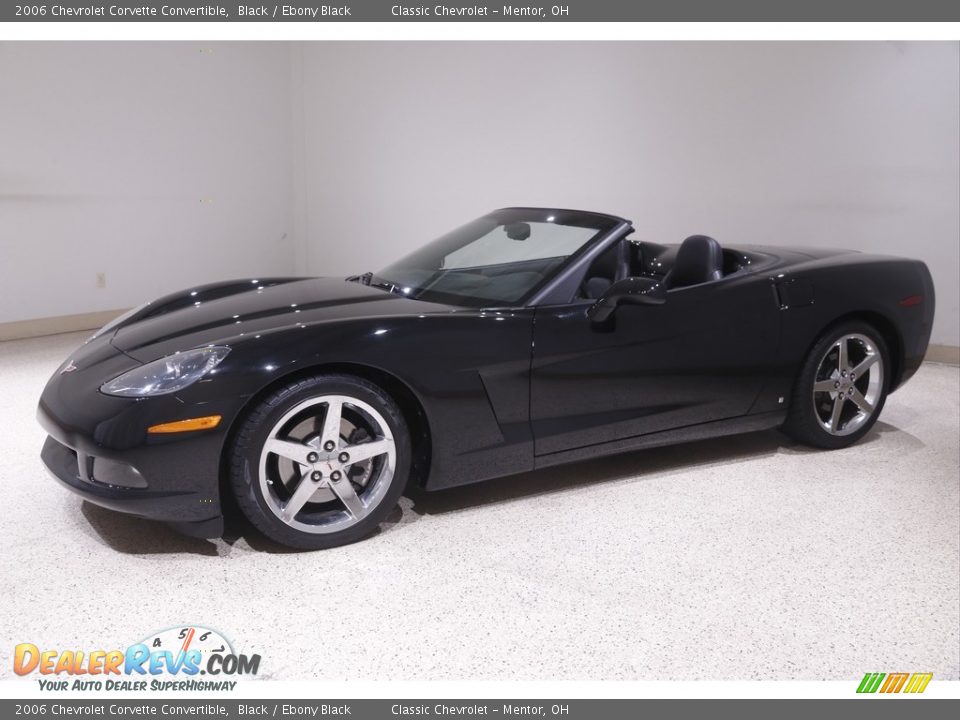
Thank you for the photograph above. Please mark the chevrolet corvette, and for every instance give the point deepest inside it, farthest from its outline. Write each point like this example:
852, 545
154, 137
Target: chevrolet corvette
526, 338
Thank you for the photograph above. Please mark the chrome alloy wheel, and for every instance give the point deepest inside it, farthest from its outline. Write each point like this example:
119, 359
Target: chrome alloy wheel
848, 384
327, 463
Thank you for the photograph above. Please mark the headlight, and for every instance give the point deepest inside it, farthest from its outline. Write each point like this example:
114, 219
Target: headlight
116, 321
166, 375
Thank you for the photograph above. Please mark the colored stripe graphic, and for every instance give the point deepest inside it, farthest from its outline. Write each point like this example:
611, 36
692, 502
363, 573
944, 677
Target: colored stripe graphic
918, 682
870, 682
894, 682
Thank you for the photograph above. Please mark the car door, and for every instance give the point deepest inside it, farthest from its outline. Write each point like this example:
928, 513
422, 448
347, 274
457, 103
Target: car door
701, 356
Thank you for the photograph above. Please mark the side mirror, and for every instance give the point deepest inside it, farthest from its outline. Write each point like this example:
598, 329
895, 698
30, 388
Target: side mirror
633, 290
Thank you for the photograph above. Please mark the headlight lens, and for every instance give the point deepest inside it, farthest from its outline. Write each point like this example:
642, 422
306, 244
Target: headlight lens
116, 321
167, 375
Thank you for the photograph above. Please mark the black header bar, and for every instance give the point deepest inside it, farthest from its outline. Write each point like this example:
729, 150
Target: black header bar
218, 708
461, 11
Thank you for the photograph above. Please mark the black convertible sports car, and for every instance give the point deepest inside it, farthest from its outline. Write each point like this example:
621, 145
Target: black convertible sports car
526, 338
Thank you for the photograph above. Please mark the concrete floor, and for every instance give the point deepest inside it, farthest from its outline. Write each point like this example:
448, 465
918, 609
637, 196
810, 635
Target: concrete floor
742, 558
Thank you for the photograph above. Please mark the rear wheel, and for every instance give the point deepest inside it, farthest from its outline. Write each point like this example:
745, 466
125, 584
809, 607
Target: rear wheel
841, 388
320, 462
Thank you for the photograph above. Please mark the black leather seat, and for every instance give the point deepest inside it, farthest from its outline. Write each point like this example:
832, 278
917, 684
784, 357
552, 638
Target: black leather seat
699, 260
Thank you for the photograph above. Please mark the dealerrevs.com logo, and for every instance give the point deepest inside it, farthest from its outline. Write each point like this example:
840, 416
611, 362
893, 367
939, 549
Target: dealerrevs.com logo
171, 659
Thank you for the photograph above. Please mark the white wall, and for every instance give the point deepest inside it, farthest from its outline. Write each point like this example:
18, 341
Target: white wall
169, 164
161, 164
849, 145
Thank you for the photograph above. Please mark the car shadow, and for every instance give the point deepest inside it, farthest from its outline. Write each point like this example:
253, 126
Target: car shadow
239, 528
634, 466
137, 536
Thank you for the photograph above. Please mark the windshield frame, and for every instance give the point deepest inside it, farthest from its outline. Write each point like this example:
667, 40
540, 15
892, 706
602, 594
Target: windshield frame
602, 223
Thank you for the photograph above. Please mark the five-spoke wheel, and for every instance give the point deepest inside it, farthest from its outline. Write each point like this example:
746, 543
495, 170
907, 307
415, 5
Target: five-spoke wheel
321, 461
841, 387
326, 463
848, 385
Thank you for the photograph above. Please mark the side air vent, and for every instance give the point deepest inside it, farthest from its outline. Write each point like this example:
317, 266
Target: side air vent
793, 292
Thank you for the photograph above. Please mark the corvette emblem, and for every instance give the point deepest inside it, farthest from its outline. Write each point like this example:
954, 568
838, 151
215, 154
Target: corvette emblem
68, 368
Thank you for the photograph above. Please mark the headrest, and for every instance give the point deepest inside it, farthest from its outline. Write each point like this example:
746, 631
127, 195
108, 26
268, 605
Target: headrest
699, 260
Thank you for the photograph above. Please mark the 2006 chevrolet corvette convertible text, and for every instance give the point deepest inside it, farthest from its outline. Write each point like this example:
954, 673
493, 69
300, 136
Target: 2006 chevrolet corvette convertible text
526, 338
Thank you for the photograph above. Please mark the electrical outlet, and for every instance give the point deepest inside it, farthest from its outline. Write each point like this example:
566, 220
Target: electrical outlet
101, 279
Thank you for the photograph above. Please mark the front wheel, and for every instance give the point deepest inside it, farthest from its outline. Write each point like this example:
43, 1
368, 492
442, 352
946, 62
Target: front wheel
321, 461
841, 388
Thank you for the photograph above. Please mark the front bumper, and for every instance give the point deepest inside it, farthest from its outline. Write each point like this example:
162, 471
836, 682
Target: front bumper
64, 465
98, 446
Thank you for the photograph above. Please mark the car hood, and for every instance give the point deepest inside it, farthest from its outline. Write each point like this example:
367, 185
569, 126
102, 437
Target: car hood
227, 312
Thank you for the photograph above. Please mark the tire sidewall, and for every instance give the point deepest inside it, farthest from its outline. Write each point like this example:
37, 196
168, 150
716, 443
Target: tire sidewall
255, 430
804, 423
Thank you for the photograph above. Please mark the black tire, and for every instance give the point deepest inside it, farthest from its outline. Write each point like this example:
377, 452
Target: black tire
803, 422
256, 428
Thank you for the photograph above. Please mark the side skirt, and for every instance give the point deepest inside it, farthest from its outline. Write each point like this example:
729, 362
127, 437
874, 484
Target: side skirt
718, 428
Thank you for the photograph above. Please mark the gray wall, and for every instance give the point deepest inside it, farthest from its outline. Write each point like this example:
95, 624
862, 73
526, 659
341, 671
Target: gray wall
169, 164
161, 164
850, 145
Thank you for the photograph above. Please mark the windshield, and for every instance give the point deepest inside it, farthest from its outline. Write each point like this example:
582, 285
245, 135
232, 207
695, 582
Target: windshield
500, 258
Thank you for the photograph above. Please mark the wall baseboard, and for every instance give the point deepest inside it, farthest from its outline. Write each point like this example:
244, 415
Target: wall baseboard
948, 354
21, 329
55, 325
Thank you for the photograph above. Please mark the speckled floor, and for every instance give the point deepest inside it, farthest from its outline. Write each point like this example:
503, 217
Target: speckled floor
742, 558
